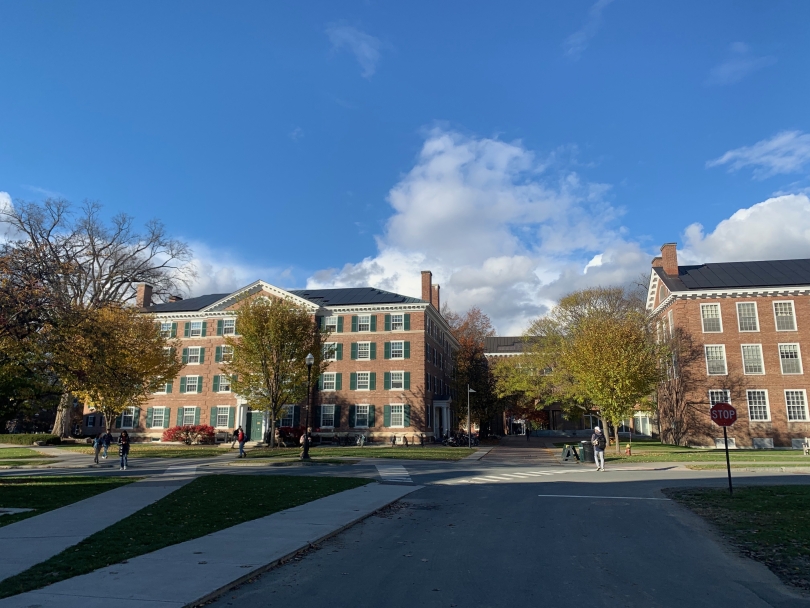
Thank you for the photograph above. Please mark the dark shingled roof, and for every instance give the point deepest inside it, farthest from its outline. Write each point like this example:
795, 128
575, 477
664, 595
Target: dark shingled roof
725, 275
349, 296
504, 345
190, 305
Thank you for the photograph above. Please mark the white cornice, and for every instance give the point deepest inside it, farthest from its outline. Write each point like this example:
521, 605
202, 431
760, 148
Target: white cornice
738, 292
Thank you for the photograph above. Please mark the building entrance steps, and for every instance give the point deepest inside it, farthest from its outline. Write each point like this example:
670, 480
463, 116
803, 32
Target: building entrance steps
197, 570
33, 540
516, 449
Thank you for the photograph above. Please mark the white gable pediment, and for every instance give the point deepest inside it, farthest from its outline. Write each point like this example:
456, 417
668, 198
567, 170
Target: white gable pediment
259, 287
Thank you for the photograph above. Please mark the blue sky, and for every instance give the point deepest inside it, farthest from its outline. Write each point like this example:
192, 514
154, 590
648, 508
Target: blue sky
507, 147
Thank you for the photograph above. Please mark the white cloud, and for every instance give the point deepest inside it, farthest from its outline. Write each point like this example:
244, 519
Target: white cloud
366, 48
785, 152
577, 42
739, 64
778, 228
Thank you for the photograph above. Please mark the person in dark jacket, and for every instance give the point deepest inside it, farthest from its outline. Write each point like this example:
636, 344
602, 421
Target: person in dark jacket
106, 440
599, 442
241, 438
97, 441
123, 449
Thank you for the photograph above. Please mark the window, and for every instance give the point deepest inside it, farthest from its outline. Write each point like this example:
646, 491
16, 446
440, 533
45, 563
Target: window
227, 354
330, 324
752, 359
397, 381
710, 313
363, 381
189, 416
194, 355
364, 350
758, 406
166, 330
328, 382
361, 415
195, 329
328, 416
719, 396
287, 415
228, 327
364, 323
641, 424
224, 383
796, 402
785, 320
158, 417
790, 357
128, 418
330, 351
716, 360
222, 416
398, 415
91, 421
398, 350
747, 316
192, 383
671, 318
397, 322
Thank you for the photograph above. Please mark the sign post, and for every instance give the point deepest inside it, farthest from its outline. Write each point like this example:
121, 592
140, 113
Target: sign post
724, 415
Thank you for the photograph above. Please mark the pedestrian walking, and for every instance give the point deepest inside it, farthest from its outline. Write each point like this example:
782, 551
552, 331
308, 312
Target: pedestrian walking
97, 441
240, 438
123, 449
235, 437
106, 441
599, 442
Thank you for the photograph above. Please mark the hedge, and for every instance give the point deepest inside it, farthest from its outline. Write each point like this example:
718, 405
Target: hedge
199, 433
29, 439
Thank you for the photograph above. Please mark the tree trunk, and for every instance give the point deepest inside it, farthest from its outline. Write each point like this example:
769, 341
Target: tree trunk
64, 416
616, 436
272, 441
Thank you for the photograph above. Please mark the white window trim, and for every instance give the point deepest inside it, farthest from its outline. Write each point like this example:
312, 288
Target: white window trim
756, 313
227, 356
397, 371
806, 413
164, 410
393, 358
320, 422
706, 357
284, 410
367, 343
402, 322
330, 326
761, 360
767, 404
191, 328
719, 317
397, 426
233, 333
369, 324
798, 352
361, 426
358, 380
719, 390
128, 409
221, 376
795, 320
227, 415
334, 382
168, 332
331, 347
193, 409
671, 318
188, 350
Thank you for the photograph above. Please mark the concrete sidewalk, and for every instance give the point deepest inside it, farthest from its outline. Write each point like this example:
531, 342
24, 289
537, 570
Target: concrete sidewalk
202, 568
33, 540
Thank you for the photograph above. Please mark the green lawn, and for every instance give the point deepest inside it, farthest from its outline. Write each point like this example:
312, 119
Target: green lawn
47, 493
155, 451
205, 505
770, 524
411, 453
20, 453
655, 451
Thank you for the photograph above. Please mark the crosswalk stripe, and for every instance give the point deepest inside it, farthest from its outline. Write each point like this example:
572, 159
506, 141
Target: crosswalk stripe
393, 473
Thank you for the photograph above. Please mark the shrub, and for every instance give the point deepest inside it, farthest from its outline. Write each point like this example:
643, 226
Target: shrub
29, 438
198, 433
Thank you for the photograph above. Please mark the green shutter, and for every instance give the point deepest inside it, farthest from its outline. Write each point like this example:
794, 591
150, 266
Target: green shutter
339, 352
202, 355
174, 330
315, 421
387, 350
218, 354
407, 321
370, 416
204, 327
187, 330
149, 417
338, 381
340, 325
372, 381
321, 323
373, 325
231, 417
296, 416
372, 350
352, 415
354, 351
185, 356
196, 415
354, 322
213, 417
407, 410
407, 350
407, 383
353, 381
169, 387
387, 322
118, 421
337, 417
216, 384
167, 413
236, 327
182, 384
179, 416
387, 381
320, 383
386, 416
219, 329
199, 384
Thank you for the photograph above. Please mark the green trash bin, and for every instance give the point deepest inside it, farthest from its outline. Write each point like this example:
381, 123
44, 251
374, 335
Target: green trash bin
586, 451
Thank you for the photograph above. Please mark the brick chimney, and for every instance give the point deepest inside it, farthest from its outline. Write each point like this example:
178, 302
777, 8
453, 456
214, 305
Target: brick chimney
143, 296
436, 301
427, 286
658, 262
669, 256
175, 299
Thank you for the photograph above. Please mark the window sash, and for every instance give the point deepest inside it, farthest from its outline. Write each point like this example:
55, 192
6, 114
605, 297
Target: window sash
228, 327
329, 381
364, 323
128, 418
158, 417
193, 354
752, 359
398, 415
796, 402
364, 350
189, 415
747, 317
363, 381
330, 351
790, 358
227, 354
222, 417
330, 323
710, 316
166, 330
191, 384
397, 380
719, 396
716, 360
361, 416
195, 329
758, 405
398, 349
397, 322
224, 383
785, 317
328, 416
286, 415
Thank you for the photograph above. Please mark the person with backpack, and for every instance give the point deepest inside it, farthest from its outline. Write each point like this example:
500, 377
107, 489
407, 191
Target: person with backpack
123, 449
97, 441
106, 440
241, 438
235, 437
599, 442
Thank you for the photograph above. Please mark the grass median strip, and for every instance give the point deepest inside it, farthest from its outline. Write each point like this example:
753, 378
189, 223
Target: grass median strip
768, 523
48, 493
150, 451
205, 505
655, 451
411, 453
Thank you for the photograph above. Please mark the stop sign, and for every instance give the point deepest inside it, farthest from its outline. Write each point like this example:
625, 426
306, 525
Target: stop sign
723, 414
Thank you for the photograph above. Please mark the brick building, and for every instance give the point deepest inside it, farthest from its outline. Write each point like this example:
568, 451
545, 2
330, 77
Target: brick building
389, 371
747, 327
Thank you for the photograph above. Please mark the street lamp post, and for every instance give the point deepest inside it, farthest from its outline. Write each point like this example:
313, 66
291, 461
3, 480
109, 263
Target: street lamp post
310, 360
469, 420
